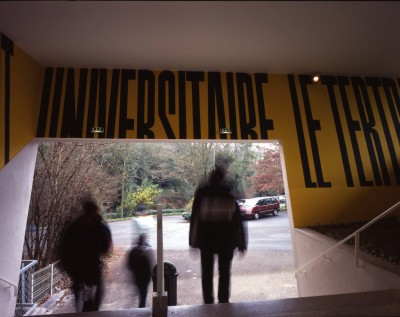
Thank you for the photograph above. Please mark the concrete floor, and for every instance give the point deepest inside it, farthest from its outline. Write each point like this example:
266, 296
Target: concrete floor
266, 272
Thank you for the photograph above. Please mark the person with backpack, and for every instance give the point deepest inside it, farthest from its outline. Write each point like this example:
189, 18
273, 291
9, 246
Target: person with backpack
85, 242
216, 228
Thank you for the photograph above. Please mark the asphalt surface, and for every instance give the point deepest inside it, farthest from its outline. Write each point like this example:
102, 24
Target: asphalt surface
265, 271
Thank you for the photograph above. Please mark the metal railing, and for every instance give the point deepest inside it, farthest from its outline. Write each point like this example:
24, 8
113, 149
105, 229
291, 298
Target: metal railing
34, 286
45, 280
356, 235
9, 285
25, 288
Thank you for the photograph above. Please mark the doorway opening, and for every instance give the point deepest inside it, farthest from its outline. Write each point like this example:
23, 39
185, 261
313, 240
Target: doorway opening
172, 171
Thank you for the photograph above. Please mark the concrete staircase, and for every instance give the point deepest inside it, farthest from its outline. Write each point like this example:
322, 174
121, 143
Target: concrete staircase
43, 309
378, 303
371, 303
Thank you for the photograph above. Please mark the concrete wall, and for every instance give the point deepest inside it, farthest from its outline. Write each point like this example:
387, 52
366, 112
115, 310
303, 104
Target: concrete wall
336, 273
15, 192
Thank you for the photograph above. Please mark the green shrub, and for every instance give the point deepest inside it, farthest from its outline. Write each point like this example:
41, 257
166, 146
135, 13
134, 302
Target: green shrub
112, 215
128, 214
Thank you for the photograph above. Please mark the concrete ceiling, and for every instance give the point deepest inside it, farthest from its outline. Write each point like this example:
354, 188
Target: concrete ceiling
277, 37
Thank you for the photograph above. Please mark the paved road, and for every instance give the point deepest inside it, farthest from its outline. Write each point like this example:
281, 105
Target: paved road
265, 272
268, 233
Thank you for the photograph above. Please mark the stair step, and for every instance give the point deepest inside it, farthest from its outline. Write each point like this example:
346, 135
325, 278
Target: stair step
377, 303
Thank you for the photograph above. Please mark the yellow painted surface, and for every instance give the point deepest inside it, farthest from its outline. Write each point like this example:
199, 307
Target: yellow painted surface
25, 84
316, 175
25, 97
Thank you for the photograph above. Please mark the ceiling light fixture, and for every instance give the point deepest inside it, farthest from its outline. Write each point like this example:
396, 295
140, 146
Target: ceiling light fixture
97, 130
316, 78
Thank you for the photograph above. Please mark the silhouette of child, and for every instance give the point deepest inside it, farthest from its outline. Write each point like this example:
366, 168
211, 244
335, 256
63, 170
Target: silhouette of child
140, 263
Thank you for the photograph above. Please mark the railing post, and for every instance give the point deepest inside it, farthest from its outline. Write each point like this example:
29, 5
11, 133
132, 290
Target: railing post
32, 295
51, 278
23, 287
160, 298
356, 248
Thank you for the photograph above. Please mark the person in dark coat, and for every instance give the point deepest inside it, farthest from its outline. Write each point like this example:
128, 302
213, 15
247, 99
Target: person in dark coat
216, 228
140, 263
85, 242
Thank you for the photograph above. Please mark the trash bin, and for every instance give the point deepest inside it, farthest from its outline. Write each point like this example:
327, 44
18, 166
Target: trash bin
170, 282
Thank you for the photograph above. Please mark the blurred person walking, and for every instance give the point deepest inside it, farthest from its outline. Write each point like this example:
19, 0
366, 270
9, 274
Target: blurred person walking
142, 223
216, 228
85, 242
140, 263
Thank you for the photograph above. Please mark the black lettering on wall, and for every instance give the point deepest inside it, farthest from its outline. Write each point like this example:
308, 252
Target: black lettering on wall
215, 102
8, 47
146, 88
396, 119
330, 82
370, 134
112, 109
265, 124
102, 107
375, 83
55, 111
368, 93
45, 102
393, 100
83, 79
300, 134
124, 122
313, 126
247, 119
68, 120
231, 106
166, 83
196, 78
72, 122
353, 126
94, 80
182, 104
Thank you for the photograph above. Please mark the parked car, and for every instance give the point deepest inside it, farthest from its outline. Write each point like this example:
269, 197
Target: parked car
255, 208
187, 215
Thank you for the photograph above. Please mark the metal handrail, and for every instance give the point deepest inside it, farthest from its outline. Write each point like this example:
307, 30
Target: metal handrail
9, 285
27, 267
354, 234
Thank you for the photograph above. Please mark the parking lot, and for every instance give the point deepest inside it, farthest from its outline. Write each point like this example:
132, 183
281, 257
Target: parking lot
265, 272
267, 233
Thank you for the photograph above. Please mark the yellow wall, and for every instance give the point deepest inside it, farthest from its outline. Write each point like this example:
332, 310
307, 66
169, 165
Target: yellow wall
340, 136
22, 85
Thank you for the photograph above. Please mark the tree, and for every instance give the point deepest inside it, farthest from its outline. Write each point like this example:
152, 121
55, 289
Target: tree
242, 168
144, 195
64, 174
268, 178
123, 174
195, 161
134, 162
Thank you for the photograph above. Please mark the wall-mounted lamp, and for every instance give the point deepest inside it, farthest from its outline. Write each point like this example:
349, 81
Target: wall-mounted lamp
97, 130
316, 78
225, 131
